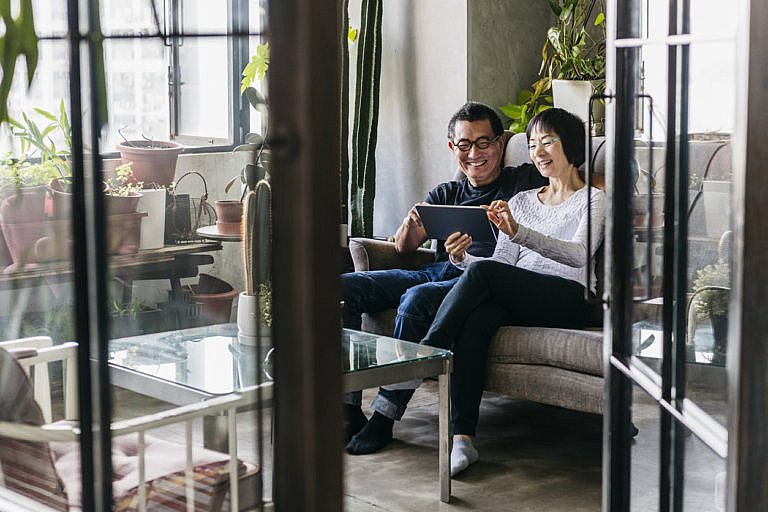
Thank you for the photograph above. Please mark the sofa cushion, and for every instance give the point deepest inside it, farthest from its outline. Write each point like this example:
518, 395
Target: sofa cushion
547, 385
571, 349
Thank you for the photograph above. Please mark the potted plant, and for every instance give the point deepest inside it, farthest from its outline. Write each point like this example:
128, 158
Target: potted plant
254, 311
121, 199
154, 162
123, 191
229, 212
136, 317
572, 66
573, 55
22, 206
39, 141
216, 296
711, 295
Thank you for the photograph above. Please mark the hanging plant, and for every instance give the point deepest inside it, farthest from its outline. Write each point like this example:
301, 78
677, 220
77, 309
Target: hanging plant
19, 39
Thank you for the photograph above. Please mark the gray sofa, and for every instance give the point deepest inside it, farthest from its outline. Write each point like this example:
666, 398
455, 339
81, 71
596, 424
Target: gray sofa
561, 367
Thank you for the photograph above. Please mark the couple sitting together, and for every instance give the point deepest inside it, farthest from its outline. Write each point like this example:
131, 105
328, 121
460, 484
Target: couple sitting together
533, 276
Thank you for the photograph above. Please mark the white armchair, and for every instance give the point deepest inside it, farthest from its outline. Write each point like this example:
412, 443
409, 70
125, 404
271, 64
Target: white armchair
40, 460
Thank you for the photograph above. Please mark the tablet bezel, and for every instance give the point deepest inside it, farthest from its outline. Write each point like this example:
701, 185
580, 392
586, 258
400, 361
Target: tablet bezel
440, 221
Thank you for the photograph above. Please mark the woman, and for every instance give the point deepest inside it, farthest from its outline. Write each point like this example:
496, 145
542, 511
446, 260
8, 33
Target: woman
535, 276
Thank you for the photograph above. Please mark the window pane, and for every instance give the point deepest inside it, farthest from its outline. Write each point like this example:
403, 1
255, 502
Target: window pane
205, 77
137, 90
131, 16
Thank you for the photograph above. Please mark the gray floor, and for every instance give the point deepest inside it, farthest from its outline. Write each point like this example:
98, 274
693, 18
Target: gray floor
532, 458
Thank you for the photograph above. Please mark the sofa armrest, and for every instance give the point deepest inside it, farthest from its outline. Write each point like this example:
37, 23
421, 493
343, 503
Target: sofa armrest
370, 254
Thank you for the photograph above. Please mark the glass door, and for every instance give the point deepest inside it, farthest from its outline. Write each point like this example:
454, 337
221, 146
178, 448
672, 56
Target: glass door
672, 122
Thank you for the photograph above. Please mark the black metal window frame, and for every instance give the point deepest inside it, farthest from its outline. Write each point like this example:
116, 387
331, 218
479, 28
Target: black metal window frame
170, 29
624, 369
84, 38
237, 55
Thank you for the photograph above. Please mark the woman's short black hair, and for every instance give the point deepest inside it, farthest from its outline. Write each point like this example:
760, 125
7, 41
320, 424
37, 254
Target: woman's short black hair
569, 127
474, 111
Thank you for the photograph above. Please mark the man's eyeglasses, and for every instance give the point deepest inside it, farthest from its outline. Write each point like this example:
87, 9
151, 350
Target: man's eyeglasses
532, 146
480, 143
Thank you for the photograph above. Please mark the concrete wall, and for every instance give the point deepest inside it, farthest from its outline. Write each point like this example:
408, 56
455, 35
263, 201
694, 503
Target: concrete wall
504, 47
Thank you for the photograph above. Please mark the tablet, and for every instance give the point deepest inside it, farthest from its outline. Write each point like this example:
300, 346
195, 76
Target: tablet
440, 221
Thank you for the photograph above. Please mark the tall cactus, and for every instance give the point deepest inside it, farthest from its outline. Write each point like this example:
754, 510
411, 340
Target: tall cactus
257, 236
364, 135
344, 125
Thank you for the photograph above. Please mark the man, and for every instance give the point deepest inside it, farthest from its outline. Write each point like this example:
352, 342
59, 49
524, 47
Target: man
475, 136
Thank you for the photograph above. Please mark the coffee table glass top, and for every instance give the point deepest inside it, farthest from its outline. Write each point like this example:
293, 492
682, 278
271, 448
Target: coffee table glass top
362, 351
211, 360
206, 358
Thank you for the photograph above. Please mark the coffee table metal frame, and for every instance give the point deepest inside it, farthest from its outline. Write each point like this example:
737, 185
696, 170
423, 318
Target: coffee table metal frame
215, 431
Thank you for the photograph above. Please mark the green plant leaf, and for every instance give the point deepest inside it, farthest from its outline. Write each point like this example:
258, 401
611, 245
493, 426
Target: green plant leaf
566, 12
256, 69
555, 6
352, 34
511, 111
600, 19
19, 39
524, 96
256, 99
44, 113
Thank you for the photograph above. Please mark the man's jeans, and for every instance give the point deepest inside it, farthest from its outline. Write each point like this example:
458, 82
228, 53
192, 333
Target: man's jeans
417, 294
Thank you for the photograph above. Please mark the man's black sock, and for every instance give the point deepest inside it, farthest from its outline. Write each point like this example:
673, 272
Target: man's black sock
354, 421
374, 436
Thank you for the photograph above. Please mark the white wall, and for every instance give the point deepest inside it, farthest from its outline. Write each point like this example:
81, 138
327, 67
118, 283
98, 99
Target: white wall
423, 81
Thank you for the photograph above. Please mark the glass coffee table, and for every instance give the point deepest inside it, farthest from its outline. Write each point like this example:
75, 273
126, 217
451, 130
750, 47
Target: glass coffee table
189, 365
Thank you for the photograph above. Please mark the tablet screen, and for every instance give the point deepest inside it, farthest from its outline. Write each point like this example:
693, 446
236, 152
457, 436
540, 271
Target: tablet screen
440, 221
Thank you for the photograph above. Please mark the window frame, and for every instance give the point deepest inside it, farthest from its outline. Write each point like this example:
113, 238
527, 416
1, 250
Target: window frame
237, 57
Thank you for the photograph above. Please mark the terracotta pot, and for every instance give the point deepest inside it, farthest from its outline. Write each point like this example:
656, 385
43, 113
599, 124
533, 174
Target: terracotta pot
60, 191
56, 245
25, 204
21, 238
640, 211
153, 162
124, 233
61, 198
5, 256
229, 214
216, 297
117, 205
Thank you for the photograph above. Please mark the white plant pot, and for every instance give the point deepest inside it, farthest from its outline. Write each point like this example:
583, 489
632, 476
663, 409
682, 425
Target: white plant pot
249, 328
717, 207
573, 96
153, 225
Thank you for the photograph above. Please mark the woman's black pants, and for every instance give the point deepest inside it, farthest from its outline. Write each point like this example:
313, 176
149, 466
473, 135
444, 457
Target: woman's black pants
488, 295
